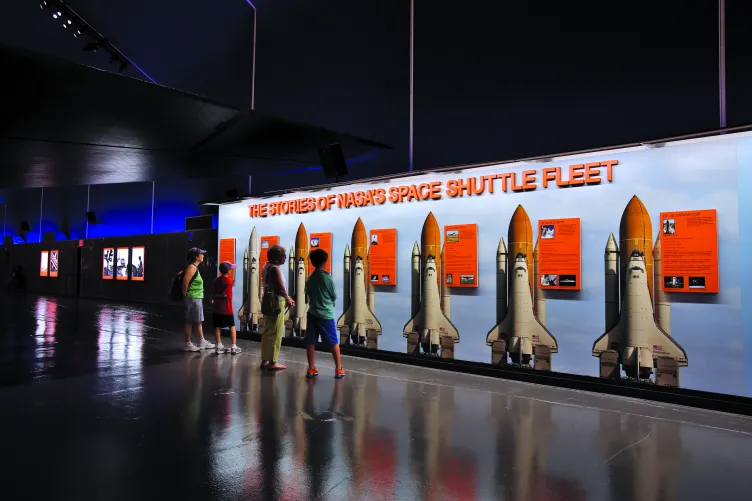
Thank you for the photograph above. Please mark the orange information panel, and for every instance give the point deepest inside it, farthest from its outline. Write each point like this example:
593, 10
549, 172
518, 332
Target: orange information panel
44, 264
559, 254
461, 255
382, 257
54, 263
266, 244
689, 251
227, 253
322, 241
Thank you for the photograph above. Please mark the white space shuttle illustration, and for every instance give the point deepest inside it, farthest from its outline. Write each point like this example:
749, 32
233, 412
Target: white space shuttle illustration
250, 313
358, 320
520, 333
430, 322
638, 337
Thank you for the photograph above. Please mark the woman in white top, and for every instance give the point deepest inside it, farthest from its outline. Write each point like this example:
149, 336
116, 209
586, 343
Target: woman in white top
273, 329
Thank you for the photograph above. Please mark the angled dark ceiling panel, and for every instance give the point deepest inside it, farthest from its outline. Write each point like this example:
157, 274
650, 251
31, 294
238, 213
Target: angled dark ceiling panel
67, 122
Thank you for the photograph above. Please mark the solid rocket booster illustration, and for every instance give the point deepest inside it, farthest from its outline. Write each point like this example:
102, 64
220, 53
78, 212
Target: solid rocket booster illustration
662, 300
429, 322
358, 317
636, 335
539, 307
446, 295
250, 312
521, 331
346, 292
299, 273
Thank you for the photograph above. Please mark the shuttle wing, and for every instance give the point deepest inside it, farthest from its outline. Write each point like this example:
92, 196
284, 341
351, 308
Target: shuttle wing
445, 326
532, 328
660, 344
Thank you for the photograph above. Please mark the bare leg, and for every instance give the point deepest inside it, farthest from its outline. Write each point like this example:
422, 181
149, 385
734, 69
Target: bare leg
200, 329
187, 332
233, 335
311, 353
218, 334
335, 355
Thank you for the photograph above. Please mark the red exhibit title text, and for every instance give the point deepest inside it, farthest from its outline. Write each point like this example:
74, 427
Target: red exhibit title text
528, 180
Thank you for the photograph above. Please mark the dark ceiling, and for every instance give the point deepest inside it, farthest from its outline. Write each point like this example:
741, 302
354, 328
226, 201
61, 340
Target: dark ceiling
64, 123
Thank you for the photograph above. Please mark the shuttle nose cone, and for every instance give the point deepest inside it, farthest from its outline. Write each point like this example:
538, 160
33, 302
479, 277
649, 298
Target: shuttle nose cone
635, 253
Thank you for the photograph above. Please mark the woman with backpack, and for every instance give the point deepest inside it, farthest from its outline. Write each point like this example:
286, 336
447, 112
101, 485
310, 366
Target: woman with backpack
273, 307
193, 294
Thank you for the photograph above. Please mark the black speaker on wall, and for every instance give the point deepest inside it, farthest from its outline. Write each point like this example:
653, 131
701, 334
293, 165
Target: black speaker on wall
198, 223
25, 226
91, 217
333, 160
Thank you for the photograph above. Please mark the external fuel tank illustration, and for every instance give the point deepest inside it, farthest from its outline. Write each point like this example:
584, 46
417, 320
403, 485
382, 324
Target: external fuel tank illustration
520, 333
250, 313
430, 327
358, 324
638, 335
296, 324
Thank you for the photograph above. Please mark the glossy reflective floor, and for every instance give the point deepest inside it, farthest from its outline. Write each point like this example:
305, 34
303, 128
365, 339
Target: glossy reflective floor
99, 402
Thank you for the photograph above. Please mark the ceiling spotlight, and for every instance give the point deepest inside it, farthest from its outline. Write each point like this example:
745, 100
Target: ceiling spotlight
44, 5
65, 25
54, 16
70, 22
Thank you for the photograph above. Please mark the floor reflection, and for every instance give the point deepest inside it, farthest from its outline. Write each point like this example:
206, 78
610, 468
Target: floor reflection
120, 342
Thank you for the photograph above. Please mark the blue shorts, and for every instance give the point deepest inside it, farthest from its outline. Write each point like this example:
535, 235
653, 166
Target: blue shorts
326, 327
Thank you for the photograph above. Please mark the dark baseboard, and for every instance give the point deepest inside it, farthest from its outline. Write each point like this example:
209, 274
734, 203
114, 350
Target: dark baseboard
625, 388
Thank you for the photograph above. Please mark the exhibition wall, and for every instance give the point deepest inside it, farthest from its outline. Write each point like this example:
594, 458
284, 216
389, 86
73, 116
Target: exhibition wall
652, 321
139, 268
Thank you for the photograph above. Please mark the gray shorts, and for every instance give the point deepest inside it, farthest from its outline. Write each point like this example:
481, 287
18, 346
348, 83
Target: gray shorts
194, 310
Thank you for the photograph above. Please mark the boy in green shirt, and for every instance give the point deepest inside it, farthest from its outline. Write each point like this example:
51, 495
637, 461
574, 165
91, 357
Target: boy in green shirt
320, 317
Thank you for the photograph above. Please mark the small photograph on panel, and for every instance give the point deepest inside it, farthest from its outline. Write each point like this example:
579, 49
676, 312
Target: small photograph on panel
669, 227
549, 280
547, 231
374, 278
673, 282
265, 244
467, 279
385, 279
314, 243
568, 281
375, 239
449, 279
453, 236
696, 282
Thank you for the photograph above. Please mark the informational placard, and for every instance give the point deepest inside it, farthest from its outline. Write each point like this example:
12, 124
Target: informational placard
227, 253
137, 263
461, 255
108, 263
266, 244
44, 263
54, 263
689, 251
559, 254
321, 241
122, 263
382, 257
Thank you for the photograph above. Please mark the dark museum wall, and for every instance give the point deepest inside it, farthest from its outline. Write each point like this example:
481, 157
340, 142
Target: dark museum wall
121, 209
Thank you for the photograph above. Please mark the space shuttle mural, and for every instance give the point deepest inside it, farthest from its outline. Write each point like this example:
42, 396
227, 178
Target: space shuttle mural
638, 312
295, 324
430, 329
358, 324
250, 313
520, 334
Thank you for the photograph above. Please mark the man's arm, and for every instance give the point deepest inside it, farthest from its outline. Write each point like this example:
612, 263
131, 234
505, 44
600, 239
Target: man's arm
187, 278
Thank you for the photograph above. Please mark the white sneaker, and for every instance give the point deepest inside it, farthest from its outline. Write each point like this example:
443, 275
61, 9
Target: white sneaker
234, 350
205, 345
221, 349
189, 346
